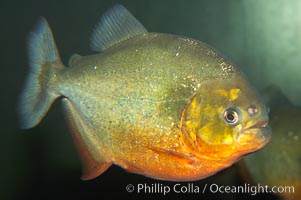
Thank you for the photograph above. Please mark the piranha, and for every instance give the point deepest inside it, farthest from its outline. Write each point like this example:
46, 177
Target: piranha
160, 105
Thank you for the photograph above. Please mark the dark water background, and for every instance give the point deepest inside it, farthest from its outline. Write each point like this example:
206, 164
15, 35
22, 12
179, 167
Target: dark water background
263, 37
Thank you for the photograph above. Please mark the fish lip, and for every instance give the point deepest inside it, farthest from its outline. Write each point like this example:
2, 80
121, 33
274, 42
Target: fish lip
260, 124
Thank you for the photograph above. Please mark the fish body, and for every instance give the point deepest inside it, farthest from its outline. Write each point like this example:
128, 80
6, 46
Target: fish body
155, 104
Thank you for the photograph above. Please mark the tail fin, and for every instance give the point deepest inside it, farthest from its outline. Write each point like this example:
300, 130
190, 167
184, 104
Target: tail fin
44, 62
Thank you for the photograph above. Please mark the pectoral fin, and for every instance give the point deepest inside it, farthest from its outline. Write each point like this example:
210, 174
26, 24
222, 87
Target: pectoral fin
180, 156
90, 149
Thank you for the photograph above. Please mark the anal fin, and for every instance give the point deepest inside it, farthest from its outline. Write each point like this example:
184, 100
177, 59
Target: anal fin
88, 146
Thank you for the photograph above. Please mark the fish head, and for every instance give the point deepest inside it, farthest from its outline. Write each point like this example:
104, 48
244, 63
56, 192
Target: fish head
226, 119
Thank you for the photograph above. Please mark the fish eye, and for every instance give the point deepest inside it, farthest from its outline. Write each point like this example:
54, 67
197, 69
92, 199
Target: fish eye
231, 116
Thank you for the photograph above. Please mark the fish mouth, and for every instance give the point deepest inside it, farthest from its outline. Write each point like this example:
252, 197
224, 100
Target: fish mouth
261, 124
256, 136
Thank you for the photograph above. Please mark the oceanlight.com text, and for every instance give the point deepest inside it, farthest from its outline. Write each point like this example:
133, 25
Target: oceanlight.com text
192, 188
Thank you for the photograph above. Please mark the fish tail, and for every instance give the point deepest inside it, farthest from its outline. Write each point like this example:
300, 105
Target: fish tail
44, 63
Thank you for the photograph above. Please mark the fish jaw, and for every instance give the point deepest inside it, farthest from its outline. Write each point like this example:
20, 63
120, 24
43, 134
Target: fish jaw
255, 137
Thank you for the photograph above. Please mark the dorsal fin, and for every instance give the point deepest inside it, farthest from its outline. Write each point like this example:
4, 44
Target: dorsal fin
116, 25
